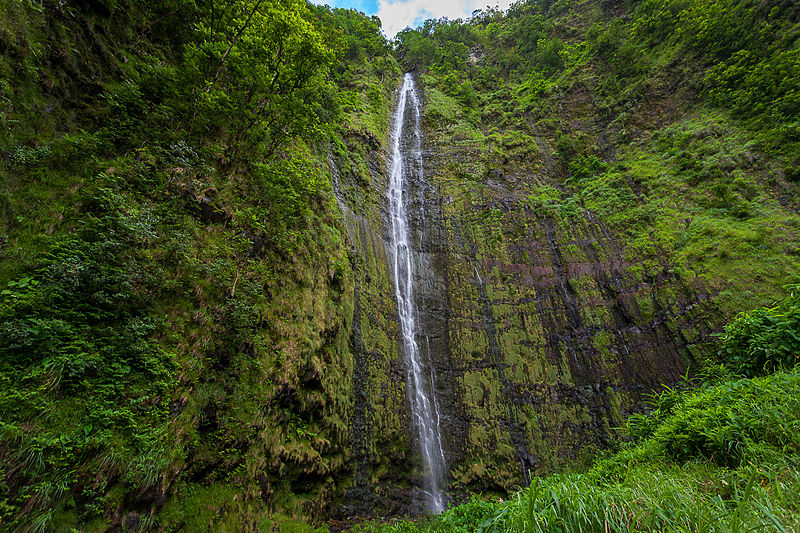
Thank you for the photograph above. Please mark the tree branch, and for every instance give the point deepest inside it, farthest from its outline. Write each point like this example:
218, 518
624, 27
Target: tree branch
233, 43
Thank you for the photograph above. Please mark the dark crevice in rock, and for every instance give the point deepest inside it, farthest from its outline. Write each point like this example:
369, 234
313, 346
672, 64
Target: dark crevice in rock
360, 494
566, 292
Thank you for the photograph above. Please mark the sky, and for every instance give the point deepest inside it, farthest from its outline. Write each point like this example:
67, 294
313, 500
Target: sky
395, 15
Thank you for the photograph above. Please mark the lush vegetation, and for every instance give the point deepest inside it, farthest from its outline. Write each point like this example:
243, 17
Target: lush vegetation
765, 340
164, 182
719, 453
176, 291
674, 123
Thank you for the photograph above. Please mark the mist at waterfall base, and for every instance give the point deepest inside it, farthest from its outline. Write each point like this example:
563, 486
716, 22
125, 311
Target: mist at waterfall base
406, 160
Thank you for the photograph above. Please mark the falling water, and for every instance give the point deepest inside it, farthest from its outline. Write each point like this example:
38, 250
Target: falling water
424, 408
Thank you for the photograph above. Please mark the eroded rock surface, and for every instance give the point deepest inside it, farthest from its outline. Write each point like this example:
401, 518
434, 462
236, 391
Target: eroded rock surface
544, 334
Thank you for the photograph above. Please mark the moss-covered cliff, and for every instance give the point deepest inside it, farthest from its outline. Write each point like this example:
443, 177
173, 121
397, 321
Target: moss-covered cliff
587, 220
178, 299
198, 320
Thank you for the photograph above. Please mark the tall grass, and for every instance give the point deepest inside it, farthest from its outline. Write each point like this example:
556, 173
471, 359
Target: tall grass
694, 497
674, 499
724, 458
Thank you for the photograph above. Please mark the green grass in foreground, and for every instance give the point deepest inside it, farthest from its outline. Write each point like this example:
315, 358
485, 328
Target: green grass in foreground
724, 457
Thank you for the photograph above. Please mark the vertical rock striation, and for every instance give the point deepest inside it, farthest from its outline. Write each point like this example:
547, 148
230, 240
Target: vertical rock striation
540, 336
405, 166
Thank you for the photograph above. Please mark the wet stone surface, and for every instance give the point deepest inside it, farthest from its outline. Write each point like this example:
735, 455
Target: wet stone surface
542, 335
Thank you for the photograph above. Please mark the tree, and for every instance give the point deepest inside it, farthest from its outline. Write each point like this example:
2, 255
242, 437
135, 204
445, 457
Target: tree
261, 67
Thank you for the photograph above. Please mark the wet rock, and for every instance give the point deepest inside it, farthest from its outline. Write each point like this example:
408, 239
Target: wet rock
542, 334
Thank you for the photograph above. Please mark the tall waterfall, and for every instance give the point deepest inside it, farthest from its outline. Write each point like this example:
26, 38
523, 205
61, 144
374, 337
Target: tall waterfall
420, 383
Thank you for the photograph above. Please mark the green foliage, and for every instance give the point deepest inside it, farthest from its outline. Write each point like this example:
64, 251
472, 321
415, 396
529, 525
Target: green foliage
166, 234
723, 457
766, 339
442, 108
727, 422
554, 202
764, 88
585, 166
287, 187
533, 88
474, 515
359, 35
416, 48
750, 49
85, 388
463, 518
549, 54
263, 69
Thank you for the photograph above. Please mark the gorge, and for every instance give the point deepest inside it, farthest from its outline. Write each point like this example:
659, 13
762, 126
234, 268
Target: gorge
263, 269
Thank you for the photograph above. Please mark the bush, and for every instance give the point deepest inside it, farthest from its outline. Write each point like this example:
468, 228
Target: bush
766, 339
726, 422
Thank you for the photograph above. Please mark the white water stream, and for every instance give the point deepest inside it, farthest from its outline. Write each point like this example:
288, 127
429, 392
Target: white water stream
420, 383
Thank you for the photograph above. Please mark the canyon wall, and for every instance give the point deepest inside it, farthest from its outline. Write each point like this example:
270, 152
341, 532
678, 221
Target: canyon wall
544, 333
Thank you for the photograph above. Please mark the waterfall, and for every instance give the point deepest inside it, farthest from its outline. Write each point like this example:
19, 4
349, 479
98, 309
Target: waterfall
420, 384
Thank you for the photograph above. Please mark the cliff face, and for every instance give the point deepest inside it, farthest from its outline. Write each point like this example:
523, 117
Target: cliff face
550, 331
587, 219
544, 333
575, 252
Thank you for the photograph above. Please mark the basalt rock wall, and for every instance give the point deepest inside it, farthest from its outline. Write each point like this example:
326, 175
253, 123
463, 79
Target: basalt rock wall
543, 334
546, 335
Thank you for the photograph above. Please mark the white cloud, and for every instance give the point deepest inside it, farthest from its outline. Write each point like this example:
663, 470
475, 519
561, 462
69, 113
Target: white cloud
396, 15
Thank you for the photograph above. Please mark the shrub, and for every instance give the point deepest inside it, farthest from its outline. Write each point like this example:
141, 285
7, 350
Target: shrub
765, 339
723, 423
